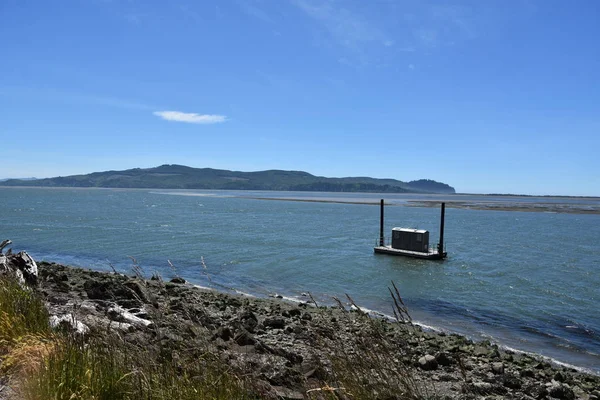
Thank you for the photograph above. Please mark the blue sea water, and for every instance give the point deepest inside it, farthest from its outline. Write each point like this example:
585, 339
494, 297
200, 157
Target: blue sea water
526, 280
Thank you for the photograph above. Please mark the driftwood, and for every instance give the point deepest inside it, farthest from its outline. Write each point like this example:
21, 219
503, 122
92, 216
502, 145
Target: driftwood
20, 265
4, 244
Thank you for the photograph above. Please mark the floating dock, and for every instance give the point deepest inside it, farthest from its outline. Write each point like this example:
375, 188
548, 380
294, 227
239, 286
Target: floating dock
411, 242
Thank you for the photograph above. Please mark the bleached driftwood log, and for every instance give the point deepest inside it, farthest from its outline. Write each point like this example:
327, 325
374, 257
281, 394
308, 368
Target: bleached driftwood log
21, 265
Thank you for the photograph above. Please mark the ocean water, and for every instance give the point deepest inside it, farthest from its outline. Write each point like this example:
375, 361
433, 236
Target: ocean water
526, 280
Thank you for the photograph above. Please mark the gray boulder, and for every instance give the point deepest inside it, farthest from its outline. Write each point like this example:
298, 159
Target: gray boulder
428, 363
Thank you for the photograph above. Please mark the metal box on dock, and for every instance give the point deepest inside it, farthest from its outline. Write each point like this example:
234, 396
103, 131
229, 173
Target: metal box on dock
410, 239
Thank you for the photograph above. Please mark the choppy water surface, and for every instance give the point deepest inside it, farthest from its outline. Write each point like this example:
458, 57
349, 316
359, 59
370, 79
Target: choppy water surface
528, 280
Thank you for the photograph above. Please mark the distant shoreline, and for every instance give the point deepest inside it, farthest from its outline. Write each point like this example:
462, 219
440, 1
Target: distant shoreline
451, 200
492, 206
542, 196
558, 208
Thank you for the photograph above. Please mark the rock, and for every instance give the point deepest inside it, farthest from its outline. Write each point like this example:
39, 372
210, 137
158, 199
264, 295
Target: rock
527, 373
287, 394
178, 280
248, 320
244, 338
274, 323
298, 329
542, 365
129, 293
448, 378
494, 353
498, 368
306, 316
482, 387
443, 359
561, 391
224, 333
60, 300
295, 312
536, 391
480, 351
428, 363
559, 377
137, 289
512, 382
235, 303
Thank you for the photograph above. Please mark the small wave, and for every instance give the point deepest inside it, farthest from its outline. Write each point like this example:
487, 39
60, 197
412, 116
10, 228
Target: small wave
373, 312
292, 299
189, 194
243, 293
550, 360
203, 287
428, 327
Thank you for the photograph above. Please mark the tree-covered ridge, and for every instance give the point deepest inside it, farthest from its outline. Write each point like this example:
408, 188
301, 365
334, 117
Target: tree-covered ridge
183, 177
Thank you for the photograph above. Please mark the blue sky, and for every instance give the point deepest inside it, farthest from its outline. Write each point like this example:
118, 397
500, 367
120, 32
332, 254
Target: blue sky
487, 96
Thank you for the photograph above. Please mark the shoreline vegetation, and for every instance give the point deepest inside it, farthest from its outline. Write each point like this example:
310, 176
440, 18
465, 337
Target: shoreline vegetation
74, 333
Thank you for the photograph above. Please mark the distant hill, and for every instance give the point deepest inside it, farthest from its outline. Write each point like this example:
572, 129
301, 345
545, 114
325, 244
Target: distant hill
18, 179
182, 177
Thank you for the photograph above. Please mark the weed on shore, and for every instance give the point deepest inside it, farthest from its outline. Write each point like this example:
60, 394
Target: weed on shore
62, 364
369, 365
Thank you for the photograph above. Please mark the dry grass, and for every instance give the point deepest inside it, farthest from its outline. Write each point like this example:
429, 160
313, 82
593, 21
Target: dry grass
104, 367
24, 328
22, 313
65, 365
369, 365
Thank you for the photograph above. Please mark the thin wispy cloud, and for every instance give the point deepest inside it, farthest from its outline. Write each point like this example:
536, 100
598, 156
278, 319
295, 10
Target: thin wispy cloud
442, 25
58, 95
190, 118
116, 102
347, 28
426, 37
458, 17
254, 9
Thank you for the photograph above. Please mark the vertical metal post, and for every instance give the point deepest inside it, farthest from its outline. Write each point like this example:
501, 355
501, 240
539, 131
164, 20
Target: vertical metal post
381, 238
441, 243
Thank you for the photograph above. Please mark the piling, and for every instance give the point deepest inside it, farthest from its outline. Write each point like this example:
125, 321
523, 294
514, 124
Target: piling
381, 237
441, 244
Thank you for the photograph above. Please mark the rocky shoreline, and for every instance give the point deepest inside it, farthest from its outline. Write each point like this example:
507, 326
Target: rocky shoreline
296, 351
